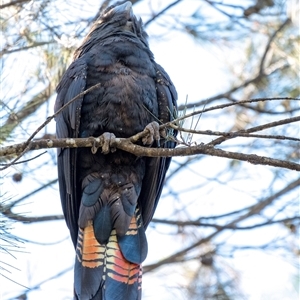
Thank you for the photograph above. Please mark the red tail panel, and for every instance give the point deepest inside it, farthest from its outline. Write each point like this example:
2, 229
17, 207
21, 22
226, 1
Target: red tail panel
102, 271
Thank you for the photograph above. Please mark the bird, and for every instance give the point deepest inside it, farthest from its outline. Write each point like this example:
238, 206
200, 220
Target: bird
113, 88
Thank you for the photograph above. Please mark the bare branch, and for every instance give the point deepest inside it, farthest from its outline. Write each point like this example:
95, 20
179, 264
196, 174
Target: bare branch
272, 37
49, 119
127, 145
14, 203
227, 94
255, 209
256, 128
22, 218
161, 12
29, 108
235, 134
33, 45
234, 227
14, 2
38, 285
221, 106
25, 149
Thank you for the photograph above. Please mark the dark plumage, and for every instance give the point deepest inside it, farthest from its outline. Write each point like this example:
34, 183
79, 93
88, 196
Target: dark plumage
109, 199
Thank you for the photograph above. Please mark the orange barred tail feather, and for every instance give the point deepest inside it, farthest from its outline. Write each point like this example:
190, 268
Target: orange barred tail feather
110, 271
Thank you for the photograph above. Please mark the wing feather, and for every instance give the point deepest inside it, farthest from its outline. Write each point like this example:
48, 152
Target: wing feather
67, 126
156, 168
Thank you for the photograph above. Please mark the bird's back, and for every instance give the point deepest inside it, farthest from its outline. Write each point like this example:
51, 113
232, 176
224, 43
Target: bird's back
108, 199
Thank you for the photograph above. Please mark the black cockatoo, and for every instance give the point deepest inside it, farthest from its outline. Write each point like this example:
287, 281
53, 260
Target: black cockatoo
109, 197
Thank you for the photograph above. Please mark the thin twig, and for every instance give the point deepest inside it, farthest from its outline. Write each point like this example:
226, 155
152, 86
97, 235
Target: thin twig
272, 37
256, 128
221, 106
161, 12
49, 119
204, 224
234, 134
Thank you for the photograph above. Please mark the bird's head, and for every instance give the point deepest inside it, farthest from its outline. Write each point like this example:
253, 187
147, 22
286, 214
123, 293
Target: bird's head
119, 14
115, 20
120, 18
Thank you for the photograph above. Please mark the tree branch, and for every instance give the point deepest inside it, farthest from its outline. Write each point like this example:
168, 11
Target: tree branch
38, 285
126, 145
33, 45
161, 12
235, 134
29, 108
15, 2
49, 119
227, 94
272, 37
254, 209
222, 106
234, 227
254, 129
14, 203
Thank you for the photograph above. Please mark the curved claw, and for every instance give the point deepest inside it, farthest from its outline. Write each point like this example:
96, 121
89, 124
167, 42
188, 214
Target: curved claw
153, 134
106, 140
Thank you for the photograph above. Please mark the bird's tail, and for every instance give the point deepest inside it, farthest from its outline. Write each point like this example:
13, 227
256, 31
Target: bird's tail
110, 271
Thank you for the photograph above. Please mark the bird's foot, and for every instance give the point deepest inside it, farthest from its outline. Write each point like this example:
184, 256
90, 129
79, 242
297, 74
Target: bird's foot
153, 134
106, 140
